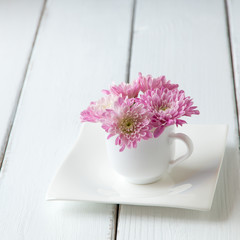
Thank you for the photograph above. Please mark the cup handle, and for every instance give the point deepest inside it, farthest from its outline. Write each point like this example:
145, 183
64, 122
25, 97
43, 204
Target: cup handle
183, 137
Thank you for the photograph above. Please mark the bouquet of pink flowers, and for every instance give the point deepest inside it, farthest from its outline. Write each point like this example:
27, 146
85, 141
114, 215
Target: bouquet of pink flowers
139, 110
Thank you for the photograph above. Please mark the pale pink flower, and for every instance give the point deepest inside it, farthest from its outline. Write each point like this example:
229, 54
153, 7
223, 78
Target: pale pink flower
129, 122
95, 112
150, 83
167, 106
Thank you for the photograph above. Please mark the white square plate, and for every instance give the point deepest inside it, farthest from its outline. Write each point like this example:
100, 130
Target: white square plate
86, 175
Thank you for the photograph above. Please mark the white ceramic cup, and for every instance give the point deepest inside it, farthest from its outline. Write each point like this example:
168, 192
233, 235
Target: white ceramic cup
150, 160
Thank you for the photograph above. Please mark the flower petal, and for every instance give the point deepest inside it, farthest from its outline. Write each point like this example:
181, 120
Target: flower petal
158, 131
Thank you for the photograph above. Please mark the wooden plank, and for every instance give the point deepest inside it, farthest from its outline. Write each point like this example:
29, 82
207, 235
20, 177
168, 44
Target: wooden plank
18, 25
233, 9
82, 46
188, 42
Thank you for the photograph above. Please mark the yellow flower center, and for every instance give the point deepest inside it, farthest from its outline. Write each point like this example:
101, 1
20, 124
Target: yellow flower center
127, 125
163, 108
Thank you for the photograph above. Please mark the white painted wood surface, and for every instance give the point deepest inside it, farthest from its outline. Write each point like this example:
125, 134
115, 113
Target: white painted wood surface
82, 46
188, 42
18, 25
233, 8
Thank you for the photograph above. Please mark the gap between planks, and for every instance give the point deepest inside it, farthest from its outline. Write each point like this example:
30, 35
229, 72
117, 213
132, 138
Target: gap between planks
234, 65
118, 206
131, 41
117, 210
14, 111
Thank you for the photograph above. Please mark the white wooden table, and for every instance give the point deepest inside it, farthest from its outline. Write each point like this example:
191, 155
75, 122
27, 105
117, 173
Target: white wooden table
56, 56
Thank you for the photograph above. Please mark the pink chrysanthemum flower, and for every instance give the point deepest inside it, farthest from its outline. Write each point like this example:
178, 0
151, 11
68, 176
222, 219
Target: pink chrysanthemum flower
95, 112
124, 90
150, 83
167, 106
129, 121
130, 117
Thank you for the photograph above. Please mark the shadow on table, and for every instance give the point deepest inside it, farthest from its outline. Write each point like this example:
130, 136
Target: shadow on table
224, 200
